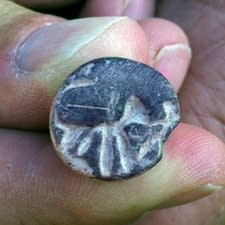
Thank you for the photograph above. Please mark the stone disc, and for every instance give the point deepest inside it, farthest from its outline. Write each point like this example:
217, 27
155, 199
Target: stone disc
111, 117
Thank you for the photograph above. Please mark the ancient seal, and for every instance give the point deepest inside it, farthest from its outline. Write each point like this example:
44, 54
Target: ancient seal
111, 118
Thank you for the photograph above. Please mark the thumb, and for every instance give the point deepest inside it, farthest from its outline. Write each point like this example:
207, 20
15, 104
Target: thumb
39, 51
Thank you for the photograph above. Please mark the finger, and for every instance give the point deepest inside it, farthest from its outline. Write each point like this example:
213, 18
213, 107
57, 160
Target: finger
136, 9
38, 52
34, 181
169, 50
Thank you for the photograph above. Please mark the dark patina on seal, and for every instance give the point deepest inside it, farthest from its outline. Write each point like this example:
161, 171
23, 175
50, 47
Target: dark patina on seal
111, 117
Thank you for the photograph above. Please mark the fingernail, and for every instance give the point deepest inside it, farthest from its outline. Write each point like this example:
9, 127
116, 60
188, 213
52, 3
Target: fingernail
137, 9
210, 188
51, 44
194, 194
173, 61
202, 191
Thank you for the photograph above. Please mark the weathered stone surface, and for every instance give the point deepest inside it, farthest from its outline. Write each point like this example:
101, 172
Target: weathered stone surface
111, 117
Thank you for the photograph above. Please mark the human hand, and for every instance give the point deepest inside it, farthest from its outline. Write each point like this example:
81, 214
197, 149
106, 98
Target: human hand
201, 96
37, 188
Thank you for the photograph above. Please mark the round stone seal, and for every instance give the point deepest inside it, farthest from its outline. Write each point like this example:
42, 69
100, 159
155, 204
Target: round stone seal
111, 117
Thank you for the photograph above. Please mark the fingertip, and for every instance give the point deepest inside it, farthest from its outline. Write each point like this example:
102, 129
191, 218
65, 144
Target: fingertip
169, 50
192, 167
200, 153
